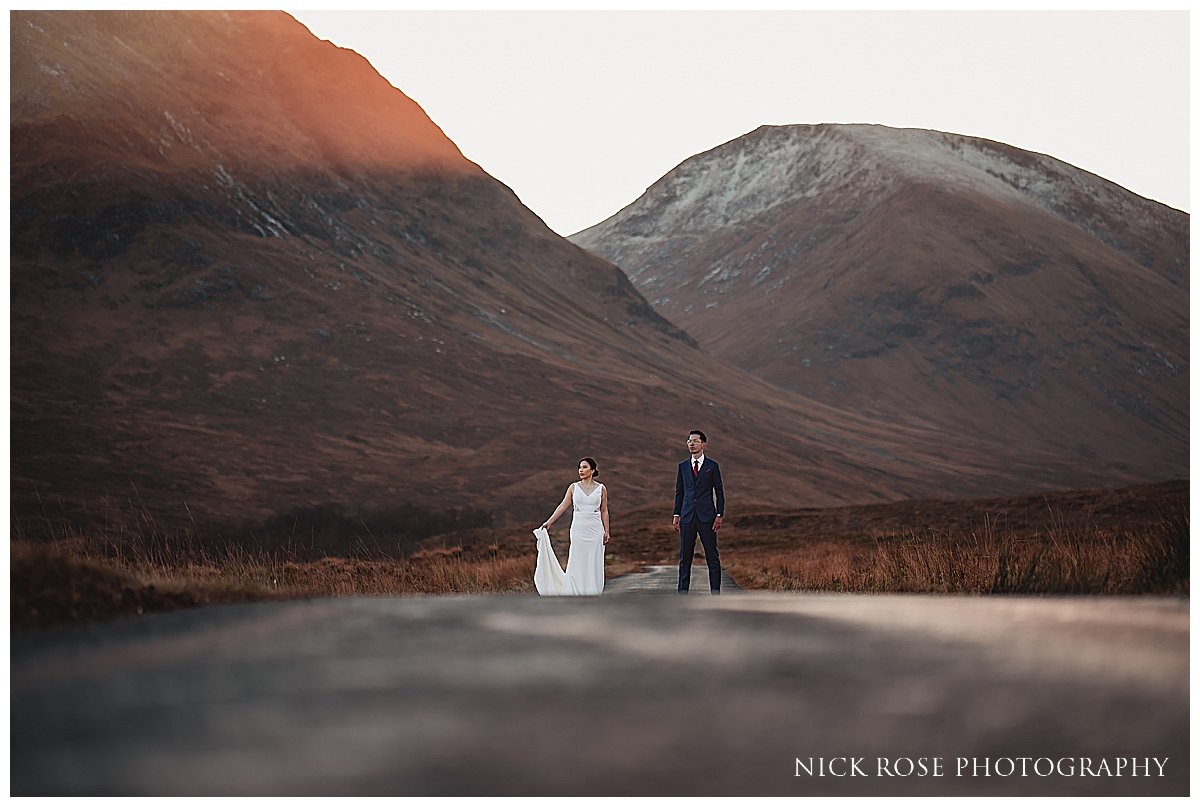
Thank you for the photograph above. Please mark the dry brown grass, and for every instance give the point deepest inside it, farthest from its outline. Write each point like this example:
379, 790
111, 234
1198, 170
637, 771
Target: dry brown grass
96, 575
1128, 541
450, 573
1149, 559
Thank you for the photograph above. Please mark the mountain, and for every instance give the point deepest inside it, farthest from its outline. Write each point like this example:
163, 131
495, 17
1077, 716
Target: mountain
255, 290
931, 278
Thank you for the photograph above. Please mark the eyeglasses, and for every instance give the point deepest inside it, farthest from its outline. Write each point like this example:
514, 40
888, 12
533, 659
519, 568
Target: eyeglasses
694, 440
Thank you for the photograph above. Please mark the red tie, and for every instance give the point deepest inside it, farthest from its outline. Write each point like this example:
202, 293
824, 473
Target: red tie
695, 468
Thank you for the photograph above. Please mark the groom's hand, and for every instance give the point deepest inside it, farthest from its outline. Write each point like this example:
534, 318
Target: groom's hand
675, 522
717, 524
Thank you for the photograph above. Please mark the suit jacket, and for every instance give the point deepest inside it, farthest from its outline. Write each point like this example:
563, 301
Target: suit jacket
694, 496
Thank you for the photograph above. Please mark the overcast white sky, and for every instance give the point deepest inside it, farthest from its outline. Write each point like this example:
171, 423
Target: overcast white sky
579, 112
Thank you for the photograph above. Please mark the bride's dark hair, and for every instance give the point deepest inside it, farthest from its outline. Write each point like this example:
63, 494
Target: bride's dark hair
592, 464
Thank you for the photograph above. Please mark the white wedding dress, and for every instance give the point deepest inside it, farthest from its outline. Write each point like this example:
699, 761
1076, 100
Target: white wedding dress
585, 564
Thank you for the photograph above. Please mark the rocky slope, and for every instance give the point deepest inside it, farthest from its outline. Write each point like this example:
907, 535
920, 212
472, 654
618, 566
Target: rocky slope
931, 278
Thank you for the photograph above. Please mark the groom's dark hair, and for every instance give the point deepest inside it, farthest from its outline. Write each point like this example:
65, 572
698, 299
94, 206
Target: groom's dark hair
703, 439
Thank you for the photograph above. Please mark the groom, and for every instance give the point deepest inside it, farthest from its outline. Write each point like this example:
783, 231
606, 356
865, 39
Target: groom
699, 478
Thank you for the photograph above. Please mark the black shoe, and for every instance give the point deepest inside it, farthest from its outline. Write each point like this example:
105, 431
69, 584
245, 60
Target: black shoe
715, 591
683, 591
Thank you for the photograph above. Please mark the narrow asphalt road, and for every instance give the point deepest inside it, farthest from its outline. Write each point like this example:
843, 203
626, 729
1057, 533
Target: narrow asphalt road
654, 694
665, 579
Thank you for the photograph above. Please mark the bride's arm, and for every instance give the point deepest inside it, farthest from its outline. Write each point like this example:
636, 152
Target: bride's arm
604, 510
563, 505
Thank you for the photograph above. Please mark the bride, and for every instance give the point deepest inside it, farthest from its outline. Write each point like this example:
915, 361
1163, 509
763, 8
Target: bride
589, 534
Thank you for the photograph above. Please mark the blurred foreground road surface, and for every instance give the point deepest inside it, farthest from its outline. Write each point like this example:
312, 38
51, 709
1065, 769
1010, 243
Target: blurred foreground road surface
628, 693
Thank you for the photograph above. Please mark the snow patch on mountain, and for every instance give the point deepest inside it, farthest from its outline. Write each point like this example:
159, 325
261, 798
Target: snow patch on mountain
775, 165
738, 181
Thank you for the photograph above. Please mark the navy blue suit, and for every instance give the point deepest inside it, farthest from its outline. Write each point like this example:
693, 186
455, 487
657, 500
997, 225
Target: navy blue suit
694, 505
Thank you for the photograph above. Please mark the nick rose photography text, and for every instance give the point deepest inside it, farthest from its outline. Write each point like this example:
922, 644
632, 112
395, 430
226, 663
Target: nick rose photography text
982, 766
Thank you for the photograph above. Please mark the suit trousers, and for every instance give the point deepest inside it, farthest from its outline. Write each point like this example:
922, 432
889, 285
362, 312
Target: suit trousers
687, 546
